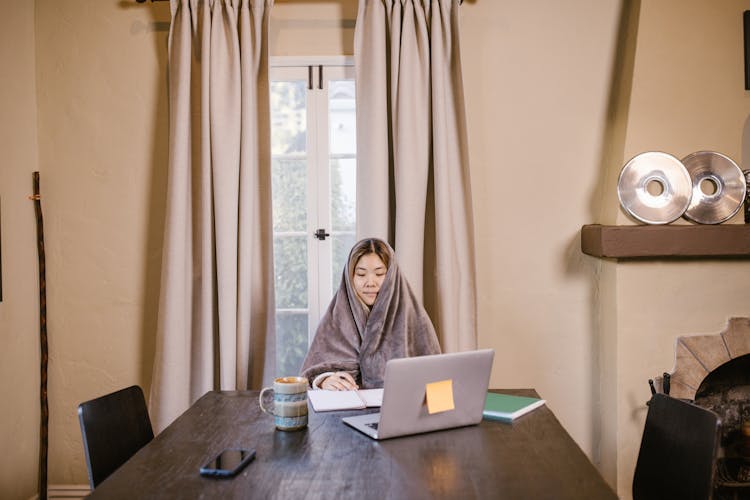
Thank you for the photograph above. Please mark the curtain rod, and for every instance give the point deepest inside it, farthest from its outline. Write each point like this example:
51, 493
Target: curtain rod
152, 1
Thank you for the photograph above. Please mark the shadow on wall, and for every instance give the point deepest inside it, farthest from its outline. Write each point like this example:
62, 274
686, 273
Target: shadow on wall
604, 208
158, 30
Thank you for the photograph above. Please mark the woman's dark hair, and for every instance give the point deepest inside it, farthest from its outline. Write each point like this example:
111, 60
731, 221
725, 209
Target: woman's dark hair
368, 246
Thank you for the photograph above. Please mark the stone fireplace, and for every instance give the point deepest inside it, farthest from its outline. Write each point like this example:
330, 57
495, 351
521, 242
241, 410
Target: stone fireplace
698, 355
714, 372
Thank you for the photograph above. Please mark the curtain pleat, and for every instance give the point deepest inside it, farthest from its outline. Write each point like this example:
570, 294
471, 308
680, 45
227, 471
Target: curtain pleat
216, 299
413, 184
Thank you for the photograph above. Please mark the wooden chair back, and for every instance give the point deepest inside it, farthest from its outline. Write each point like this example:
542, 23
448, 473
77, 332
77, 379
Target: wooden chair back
677, 458
114, 427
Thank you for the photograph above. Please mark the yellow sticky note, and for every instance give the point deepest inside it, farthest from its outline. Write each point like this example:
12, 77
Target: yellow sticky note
440, 396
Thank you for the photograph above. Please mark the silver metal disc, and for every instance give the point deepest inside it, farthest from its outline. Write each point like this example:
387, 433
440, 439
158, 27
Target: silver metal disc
654, 188
718, 187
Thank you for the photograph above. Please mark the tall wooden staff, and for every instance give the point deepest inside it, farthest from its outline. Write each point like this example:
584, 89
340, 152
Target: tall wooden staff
44, 414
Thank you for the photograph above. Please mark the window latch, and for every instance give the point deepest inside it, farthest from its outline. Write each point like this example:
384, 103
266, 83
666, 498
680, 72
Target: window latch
321, 234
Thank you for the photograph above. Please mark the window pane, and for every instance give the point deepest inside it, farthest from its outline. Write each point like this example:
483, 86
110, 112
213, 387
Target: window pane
341, 118
288, 117
342, 245
343, 194
343, 173
289, 187
305, 193
290, 264
291, 342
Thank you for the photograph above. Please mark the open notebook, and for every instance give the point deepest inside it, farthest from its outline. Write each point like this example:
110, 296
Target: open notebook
345, 400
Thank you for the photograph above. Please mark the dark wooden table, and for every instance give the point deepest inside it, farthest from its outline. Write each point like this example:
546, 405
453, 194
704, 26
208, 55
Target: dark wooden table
532, 458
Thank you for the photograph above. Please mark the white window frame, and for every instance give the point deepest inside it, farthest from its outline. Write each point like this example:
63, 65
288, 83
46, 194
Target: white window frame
318, 199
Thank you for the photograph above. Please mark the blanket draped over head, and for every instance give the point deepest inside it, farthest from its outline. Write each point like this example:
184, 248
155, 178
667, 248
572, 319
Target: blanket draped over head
352, 339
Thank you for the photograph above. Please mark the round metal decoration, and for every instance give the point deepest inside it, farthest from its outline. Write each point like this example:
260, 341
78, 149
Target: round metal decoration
654, 188
718, 186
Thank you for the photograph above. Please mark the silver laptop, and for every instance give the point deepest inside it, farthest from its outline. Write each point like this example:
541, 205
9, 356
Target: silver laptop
404, 409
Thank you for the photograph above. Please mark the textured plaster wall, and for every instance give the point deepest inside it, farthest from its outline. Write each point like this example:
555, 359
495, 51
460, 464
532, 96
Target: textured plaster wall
19, 309
687, 95
312, 28
102, 151
537, 77
557, 101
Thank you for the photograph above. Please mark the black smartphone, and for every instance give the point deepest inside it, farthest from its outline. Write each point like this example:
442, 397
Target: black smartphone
228, 463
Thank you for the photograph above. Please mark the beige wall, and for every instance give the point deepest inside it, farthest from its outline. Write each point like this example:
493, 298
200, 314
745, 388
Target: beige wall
537, 79
102, 153
547, 118
687, 95
549, 129
19, 310
312, 28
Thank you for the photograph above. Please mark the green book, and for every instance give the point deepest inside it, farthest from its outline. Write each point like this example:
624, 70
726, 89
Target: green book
507, 408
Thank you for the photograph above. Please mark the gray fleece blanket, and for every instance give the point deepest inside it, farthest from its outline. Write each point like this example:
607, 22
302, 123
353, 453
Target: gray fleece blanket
350, 338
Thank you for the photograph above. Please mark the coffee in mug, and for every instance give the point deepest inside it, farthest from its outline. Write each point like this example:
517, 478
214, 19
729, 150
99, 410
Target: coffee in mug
289, 403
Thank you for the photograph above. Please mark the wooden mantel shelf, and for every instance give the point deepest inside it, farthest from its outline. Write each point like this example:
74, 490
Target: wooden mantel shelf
620, 242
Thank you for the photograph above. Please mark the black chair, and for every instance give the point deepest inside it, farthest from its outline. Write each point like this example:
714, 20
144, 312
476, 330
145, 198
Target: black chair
678, 451
113, 427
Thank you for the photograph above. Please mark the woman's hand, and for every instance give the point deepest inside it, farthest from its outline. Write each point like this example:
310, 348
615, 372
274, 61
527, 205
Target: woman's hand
339, 381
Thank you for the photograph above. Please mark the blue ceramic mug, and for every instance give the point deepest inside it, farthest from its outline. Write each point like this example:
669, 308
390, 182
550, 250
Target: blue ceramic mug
289, 403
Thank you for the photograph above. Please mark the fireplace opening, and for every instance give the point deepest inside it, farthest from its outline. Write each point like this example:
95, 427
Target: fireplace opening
726, 391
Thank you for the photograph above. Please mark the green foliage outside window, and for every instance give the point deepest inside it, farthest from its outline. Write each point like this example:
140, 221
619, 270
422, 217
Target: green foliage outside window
290, 204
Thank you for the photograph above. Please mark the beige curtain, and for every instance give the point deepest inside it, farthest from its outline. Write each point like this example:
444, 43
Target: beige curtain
215, 328
412, 160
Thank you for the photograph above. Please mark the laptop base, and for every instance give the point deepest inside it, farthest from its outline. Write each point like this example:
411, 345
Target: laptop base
366, 424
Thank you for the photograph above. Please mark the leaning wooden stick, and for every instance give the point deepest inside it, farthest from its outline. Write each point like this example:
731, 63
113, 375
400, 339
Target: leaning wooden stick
44, 414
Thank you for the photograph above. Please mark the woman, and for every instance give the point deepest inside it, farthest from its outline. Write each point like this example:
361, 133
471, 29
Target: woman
373, 317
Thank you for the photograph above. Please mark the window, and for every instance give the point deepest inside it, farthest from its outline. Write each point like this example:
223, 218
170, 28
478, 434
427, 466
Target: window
313, 145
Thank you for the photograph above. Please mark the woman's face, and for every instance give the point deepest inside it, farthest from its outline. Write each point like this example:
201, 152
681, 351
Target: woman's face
369, 273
